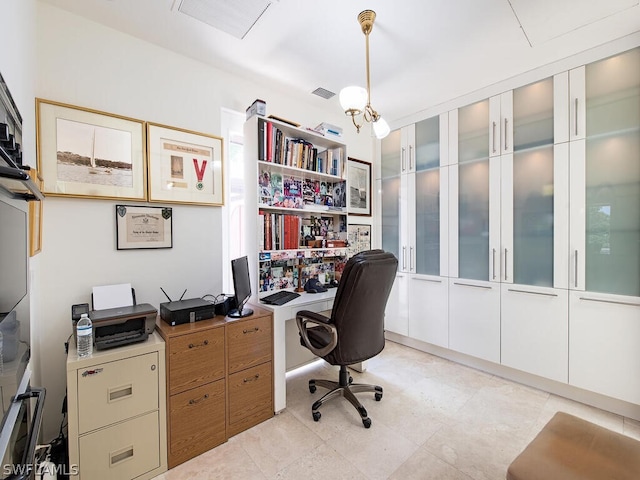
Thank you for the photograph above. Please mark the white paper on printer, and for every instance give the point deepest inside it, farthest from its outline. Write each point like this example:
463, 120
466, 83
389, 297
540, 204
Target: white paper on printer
112, 296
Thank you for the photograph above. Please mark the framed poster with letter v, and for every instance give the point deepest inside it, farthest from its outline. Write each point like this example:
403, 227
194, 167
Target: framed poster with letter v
184, 166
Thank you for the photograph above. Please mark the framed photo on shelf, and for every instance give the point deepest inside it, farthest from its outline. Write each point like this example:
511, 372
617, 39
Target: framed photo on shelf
184, 166
90, 154
143, 227
359, 237
35, 218
359, 182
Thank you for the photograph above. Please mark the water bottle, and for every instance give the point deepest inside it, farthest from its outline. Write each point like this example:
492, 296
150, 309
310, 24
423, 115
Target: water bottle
84, 333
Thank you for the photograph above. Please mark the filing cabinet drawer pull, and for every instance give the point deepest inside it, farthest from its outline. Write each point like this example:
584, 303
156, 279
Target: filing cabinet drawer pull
255, 329
119, 393
251, 379
203, 344
121, 455
91, 372
194, 401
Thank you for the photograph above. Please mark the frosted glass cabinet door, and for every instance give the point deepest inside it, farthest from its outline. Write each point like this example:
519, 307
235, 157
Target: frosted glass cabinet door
390, 197
612, 250
473, 191
427, 196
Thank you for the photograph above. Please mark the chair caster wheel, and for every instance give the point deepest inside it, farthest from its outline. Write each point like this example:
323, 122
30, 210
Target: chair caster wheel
317, 415
378, 397
312, 388
350, 379
366, 422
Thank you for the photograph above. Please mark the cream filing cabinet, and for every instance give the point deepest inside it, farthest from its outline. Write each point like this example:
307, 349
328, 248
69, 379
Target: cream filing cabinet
117, 412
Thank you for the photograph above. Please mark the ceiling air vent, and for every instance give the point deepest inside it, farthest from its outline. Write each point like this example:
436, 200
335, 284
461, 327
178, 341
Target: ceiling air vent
324, 93
235, 18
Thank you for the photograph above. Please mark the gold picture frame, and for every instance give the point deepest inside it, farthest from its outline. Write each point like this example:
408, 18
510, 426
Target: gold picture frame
184, 166
86, 153
35, 218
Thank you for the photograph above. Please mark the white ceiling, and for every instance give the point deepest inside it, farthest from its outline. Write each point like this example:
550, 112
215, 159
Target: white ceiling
423, 52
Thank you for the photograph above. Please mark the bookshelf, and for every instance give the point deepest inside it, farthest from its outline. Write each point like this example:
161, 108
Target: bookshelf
297, 210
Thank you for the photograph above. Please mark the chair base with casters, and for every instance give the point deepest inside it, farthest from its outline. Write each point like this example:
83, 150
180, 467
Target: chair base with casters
344, 388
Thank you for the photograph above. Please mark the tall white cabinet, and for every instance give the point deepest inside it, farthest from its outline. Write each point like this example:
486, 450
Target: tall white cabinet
536, 194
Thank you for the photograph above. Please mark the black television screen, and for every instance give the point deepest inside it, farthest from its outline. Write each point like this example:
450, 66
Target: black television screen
242, 287
13, 256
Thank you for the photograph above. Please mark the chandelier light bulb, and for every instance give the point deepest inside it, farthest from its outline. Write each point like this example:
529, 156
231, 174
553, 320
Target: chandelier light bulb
381, 128
353, 98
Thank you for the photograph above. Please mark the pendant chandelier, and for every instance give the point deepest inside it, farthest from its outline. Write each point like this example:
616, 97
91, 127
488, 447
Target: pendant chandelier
355, 100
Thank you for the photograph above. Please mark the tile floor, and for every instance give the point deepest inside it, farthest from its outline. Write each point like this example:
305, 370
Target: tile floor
437, 420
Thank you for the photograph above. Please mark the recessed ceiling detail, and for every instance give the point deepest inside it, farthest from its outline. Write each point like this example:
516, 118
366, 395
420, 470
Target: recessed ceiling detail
323, 92
234, 17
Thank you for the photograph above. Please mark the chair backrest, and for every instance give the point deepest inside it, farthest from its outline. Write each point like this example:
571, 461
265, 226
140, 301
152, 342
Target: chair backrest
359, 305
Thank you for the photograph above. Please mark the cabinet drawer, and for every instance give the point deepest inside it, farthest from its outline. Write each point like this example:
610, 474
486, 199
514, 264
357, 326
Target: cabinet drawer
196, 421
196, 359
250, 397
249, 343
125, 450
114, 391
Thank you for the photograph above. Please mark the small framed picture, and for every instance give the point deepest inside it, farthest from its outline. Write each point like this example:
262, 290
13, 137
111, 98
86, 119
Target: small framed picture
359, 184
143, 227
90, 154
184, 166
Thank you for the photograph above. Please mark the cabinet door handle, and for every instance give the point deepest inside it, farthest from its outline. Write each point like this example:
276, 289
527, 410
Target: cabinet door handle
411, 262
95, 371
403, 163
506, 253
575, 269
119, 393
470, 285
121, 455
615, 302
252, 330
493, 263
203, 344
426, 280
195, 401
506, 143
575, 115
404, 258
493, 141
410, 157
251, 379
533, 293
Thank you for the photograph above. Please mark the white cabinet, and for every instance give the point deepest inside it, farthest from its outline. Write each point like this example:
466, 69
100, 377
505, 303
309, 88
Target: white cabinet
429, 309
396, 315
604, 341
501, 124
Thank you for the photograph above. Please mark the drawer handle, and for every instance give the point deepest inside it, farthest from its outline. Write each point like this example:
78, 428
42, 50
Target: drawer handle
194, 401
121, 455
120, 393
91, 372
203, 344
251, 379
255, 329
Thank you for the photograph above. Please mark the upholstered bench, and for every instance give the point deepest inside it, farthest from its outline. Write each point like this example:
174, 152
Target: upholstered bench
569, 448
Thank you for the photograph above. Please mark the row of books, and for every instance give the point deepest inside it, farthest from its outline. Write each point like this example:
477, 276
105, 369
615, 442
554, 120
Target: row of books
287, 191
278, 231
275, 147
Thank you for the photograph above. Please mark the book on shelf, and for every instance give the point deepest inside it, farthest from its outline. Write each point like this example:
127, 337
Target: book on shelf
275, 147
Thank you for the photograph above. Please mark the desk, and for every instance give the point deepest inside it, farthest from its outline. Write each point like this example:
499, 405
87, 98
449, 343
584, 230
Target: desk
288, 346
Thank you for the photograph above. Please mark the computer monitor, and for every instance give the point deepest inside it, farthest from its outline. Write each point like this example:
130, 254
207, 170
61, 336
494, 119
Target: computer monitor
242, 287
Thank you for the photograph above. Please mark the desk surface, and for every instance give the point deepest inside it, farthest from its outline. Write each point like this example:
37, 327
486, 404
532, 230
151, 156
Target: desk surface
304, 299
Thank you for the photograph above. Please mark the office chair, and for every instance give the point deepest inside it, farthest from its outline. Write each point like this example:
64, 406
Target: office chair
355, 331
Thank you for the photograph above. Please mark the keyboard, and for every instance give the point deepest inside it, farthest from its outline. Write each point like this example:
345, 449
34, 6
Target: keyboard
280, 298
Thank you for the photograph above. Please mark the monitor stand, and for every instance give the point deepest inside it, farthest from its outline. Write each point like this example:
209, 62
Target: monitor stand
243, 312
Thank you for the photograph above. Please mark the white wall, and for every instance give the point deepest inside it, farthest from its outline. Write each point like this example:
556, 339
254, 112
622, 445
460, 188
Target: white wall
85, 64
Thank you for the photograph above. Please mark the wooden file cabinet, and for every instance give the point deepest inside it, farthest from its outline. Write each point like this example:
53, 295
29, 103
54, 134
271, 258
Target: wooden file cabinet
196, 389
250, 371
117, 414
219, 380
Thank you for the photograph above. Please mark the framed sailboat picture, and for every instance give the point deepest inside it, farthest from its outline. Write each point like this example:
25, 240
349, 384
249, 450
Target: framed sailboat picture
90, 154
184, 166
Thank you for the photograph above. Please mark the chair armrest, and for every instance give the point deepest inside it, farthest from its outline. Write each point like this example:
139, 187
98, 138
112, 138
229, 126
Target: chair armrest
304, 317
